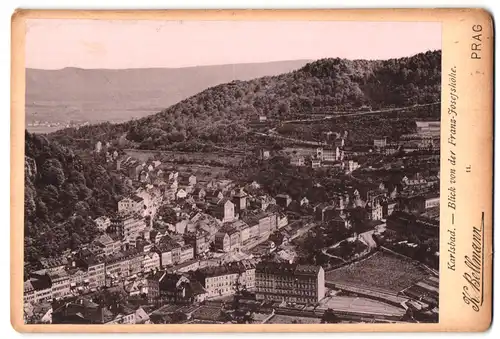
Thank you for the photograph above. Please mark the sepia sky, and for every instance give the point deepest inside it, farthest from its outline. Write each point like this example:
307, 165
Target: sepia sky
54, 44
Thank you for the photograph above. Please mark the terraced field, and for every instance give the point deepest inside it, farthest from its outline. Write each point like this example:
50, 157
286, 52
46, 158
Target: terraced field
381, 271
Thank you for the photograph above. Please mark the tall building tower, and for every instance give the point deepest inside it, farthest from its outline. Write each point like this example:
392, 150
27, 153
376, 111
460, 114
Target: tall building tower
240, 200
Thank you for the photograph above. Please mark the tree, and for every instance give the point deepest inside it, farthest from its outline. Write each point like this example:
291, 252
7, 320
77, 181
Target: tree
329, 317
52, 172
358, 217
284, 108
212, 247
29, 201
166, 214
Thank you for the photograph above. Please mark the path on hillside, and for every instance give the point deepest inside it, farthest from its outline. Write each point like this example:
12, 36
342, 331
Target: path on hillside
334, 115
297, 141
273, 134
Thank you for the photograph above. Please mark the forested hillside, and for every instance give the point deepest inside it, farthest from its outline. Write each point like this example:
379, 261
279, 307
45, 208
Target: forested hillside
221, 113
63, 193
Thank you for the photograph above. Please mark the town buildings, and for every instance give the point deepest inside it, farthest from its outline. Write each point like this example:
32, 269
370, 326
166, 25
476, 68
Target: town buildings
196, 254
289, 282
179, 289
406, 223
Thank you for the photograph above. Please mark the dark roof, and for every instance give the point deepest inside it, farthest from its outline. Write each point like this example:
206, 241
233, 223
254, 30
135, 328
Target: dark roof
115, 236
92, 260
198, 189
125, 255
213, 193
240, 193
196, 288
41, 282
251, 220
167, 245
157, 276
228, 229
186, 247
215, 271
322, 206
169, 281
207, 313
220, 234
287, 268
53, 262
137, 198
432, 195
224, 200
186, 175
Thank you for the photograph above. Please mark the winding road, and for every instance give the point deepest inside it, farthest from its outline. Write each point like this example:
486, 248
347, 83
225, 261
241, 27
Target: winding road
365, 237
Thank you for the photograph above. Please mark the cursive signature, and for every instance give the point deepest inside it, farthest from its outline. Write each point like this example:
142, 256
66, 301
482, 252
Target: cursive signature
473, 289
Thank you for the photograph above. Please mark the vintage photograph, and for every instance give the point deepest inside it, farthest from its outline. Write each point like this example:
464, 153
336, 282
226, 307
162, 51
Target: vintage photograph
231, 172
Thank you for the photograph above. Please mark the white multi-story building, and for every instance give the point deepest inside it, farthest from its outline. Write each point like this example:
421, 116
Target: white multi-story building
289, 282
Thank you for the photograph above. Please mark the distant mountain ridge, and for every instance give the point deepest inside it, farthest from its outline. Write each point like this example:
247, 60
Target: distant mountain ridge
116, 95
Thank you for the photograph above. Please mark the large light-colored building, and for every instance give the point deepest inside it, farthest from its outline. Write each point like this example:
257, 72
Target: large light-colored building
431, 201
429, 127
95, 269
109, 243
60, 283
129, 226
289, 282
380, 143
297, 161
132, 204
227, 279
151, 262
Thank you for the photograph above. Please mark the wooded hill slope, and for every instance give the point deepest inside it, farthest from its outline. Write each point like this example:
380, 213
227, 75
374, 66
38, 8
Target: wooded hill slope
221, 113
63, 194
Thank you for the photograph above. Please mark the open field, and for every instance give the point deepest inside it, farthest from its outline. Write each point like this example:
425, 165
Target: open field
205, 158
381, 271
43, 129
361, 306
